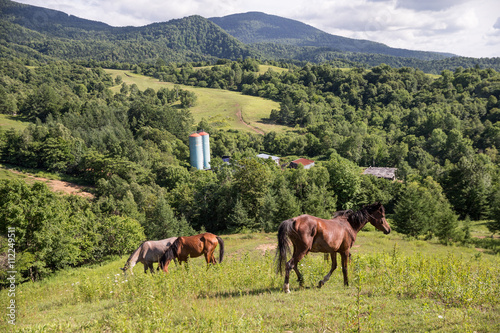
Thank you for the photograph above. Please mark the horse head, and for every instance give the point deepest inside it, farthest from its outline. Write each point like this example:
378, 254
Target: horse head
376, 216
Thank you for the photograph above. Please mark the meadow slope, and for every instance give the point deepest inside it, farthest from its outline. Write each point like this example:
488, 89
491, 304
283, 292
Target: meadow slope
396, 285
222, 108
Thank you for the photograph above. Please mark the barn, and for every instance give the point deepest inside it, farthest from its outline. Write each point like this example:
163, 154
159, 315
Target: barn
303, 161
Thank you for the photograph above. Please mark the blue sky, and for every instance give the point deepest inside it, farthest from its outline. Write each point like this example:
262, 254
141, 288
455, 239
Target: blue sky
464, 27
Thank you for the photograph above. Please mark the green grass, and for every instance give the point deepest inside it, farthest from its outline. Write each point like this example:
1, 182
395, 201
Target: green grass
395, 285
219, 107
7, 122
6, 173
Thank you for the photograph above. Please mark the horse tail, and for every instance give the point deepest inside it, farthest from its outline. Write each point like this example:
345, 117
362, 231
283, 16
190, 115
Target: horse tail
132, 257
285, 228
171, 253
221, 248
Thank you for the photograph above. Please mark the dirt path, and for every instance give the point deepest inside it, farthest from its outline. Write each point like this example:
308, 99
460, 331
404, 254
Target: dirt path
240, 118
59, 185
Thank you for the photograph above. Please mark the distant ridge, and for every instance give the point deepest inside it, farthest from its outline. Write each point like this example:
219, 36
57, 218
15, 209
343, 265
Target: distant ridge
33, 32
44, 20
257, 27
53, 34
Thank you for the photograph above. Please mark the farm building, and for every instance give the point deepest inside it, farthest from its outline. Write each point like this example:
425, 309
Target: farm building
305, 162
387, 173
274, 158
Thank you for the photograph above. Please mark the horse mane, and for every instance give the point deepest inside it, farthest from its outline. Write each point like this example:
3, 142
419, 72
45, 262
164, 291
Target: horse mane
346, 212
171, 253
358, 219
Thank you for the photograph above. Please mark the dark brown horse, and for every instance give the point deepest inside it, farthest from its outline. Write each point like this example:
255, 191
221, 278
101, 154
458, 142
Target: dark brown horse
193, 246
312, 234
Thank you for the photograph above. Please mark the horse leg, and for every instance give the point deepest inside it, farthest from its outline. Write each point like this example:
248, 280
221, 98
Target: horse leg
165, 266
292, 264
333, 255
345, 260
151, 269
210, 258
288, 267
300, 277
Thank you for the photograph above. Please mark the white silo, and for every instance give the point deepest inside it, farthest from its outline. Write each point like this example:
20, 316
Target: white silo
196, 151
205, 138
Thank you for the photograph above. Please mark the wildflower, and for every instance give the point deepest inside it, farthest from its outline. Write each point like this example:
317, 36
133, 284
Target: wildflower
440, 317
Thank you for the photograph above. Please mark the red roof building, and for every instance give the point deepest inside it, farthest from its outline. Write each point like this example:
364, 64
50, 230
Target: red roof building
305, 162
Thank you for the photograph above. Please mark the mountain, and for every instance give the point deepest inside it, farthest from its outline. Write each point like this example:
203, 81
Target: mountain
31, 32
258, 28
26, 29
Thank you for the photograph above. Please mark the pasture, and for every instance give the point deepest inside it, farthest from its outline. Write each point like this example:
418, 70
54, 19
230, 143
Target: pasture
222, 108
7, 122
396, 285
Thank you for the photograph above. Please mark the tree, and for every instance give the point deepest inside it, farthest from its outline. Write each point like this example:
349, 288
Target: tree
187, 98
424, 210
252, 179
239, 220
468, 185
344, 180
494, 225
160, 220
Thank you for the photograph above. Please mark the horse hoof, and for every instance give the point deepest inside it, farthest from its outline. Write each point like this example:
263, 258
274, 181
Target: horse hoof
320, 284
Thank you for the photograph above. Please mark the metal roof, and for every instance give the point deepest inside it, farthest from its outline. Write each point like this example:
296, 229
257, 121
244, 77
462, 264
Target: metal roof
388, 173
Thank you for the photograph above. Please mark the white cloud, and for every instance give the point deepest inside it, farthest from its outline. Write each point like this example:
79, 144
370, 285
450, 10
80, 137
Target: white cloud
497, 24
431, 5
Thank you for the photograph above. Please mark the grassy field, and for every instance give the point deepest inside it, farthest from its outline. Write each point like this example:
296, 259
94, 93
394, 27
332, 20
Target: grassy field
226, 109
7, 122
396, 286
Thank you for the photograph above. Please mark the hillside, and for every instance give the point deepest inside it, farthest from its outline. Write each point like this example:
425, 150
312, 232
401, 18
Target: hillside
255, 27
38, 33
223, 109
48, 33
440, 288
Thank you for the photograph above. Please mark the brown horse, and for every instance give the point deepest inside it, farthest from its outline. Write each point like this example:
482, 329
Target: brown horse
312, 234
193, 246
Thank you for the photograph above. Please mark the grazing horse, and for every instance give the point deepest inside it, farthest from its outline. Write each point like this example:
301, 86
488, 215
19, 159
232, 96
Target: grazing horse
148, 253
312, 234
193, 246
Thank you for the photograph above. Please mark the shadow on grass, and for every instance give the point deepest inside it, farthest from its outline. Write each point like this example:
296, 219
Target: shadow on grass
491, 245
241, 293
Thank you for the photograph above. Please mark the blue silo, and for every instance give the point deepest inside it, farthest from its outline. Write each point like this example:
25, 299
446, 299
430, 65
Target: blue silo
206, 149
196, 151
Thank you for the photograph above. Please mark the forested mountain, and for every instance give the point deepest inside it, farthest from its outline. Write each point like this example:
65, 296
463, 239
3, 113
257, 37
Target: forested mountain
49, 33
39, 33
256, 27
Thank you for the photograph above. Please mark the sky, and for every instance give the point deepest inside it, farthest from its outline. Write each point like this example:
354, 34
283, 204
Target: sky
469, 28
